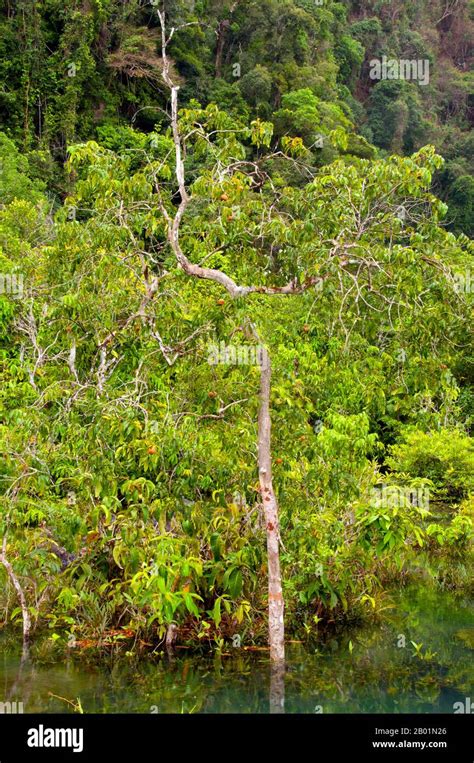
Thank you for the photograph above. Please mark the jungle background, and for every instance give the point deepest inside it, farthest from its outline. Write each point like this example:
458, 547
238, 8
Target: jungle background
128, 482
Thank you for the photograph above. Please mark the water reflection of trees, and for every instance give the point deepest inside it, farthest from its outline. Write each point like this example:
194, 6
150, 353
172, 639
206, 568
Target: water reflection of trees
362, 671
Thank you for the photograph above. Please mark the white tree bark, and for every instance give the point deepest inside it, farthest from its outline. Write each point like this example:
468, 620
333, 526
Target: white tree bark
276, 628
21, 596
269, 501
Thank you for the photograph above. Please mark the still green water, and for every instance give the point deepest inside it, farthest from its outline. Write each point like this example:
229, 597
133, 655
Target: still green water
367, 669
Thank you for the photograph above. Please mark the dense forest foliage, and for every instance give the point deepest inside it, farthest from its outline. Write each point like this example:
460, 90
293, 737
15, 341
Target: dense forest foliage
73, 71
326, 216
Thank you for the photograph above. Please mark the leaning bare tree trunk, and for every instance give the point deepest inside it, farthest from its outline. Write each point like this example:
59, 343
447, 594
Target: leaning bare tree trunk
21, 595
276, 628
275, 595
